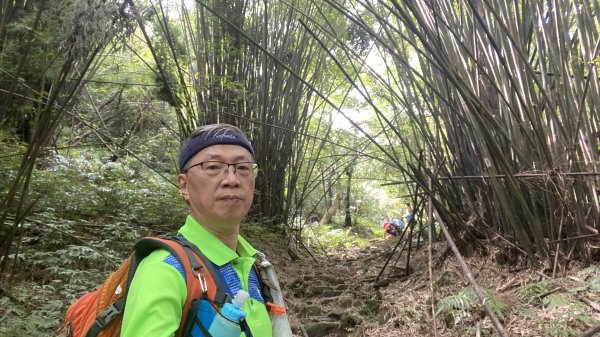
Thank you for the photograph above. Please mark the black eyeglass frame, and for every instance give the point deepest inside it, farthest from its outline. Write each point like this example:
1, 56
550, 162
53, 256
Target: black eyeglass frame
253, 167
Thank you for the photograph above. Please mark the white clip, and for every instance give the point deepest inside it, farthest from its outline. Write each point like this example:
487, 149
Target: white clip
202, 281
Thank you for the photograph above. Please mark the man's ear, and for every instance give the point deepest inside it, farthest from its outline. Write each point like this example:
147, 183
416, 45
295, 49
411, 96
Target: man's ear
182, 179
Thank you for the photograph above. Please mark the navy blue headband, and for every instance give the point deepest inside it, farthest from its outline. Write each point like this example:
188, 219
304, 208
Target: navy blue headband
203, 141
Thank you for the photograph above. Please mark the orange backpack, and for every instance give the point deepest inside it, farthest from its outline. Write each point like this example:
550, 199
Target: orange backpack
100, 313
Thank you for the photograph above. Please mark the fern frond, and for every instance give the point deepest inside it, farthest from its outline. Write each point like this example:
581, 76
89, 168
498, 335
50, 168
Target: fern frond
527, 292
591, 270
459, 302
498, 307
467, 299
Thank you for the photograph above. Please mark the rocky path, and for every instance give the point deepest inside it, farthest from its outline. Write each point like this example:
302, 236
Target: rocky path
338, 296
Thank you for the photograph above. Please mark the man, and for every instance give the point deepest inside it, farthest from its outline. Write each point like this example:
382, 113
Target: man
216, 179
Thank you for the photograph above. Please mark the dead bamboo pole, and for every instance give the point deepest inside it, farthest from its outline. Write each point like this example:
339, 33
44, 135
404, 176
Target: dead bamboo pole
558, 242
576, 238
502, 176
486, 307
430, 258
591, 331
400, 255
412, 222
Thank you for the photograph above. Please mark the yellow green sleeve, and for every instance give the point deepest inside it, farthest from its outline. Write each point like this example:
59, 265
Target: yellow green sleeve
156, 296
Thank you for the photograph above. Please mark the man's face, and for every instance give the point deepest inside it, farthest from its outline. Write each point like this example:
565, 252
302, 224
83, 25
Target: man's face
221, 201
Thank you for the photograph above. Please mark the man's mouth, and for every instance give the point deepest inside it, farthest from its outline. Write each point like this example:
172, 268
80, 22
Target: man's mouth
230, 198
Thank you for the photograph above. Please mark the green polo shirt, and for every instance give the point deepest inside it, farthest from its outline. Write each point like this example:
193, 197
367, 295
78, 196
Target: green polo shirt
158, 291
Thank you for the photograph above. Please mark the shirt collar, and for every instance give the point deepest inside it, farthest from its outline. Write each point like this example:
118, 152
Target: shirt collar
215, 250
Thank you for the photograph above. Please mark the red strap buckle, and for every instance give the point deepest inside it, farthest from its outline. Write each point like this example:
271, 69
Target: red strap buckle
275, 309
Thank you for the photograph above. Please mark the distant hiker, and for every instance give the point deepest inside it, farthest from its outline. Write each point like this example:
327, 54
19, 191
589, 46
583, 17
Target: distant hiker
386, 227
408, 216
398, 224
392, 227
216, 178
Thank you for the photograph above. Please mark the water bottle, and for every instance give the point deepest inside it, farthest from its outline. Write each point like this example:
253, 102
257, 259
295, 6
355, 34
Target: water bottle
227, 322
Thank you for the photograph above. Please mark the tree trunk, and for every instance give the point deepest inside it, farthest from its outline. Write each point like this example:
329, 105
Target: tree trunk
335, 205
348, 220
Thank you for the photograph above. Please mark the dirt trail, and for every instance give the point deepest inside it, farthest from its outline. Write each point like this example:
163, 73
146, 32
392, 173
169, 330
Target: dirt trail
338, 296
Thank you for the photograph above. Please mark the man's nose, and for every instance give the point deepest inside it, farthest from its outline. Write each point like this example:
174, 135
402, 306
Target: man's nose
230, 175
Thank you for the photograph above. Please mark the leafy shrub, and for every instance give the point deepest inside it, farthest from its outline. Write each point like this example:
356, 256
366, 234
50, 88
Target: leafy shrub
588, 279
566, 311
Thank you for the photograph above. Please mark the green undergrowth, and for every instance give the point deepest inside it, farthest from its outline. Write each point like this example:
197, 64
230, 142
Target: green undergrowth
327, 238
267, 238
87, 213
335, 236
561, 305
554, 307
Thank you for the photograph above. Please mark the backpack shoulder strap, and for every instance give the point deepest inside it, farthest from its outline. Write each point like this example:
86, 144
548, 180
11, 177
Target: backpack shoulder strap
216, 294
265, 290
197, 268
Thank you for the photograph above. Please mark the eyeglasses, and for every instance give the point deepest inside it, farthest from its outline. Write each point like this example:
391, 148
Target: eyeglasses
213, 168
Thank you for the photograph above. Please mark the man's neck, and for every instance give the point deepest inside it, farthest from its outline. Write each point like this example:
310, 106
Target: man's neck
226, 234
228, 238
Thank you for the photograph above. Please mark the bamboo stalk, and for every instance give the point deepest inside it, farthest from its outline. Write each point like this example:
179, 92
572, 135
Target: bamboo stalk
591, 331
469, 275
412, 222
